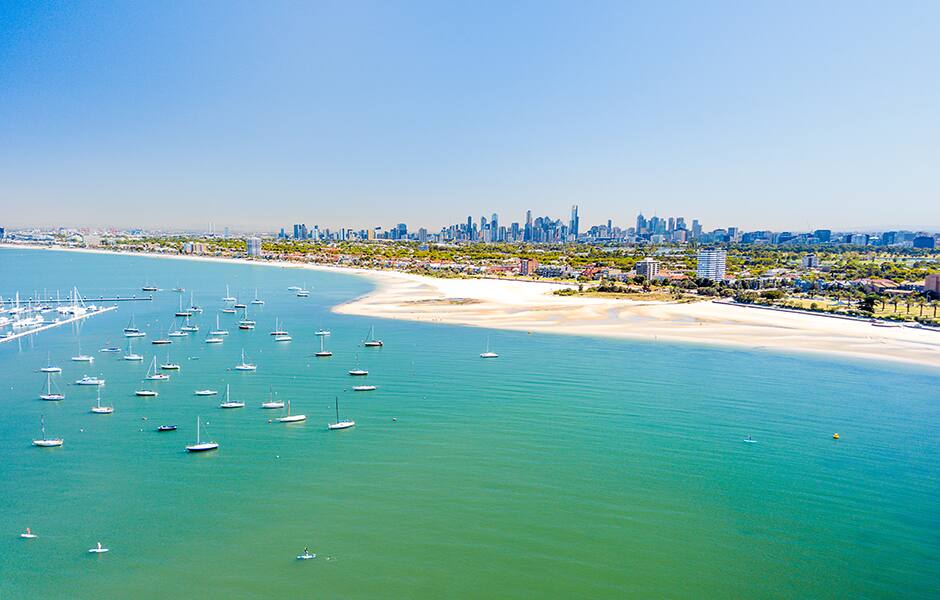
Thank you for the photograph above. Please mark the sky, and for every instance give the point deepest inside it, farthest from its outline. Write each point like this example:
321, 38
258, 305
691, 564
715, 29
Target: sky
256, 115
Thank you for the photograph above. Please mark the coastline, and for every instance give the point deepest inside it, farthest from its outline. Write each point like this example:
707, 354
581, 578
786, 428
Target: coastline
530, 306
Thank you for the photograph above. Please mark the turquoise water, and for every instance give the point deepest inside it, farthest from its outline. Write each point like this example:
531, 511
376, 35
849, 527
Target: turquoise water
567, 467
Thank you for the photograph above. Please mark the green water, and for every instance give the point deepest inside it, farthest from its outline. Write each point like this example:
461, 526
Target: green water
567, 467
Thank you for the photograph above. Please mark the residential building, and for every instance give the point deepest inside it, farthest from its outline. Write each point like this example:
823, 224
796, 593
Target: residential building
810, 261
527, 266
932, 283
648, 268
253, 245
711, 264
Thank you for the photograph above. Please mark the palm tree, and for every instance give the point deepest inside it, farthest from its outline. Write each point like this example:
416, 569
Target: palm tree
920, 302
935, 304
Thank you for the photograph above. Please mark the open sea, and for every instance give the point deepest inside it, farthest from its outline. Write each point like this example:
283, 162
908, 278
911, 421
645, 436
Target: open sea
567, 467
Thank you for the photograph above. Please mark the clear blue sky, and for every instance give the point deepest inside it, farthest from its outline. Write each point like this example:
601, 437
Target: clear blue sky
783, 115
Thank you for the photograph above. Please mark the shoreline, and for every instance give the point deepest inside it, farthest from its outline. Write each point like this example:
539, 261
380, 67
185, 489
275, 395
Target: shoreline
531, 307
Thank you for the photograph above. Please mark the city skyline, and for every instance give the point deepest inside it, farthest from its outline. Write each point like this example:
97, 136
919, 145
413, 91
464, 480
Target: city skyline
365, 114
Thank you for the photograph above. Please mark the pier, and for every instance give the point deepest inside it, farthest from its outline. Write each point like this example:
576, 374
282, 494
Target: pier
50, 301
56, 323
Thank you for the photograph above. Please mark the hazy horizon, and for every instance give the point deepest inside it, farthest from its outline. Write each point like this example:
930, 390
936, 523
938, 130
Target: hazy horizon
760, 116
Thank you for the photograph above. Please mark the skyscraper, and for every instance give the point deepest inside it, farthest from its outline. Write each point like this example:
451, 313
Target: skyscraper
574, 222
253, 246
640, 224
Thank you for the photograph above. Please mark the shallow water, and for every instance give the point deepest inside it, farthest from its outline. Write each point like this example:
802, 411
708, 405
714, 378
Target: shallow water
567, 467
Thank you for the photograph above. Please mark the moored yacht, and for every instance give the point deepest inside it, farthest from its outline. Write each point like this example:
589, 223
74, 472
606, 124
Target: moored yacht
189, 326
218, 330
181, 312
153, 374
272, 403
289, 418
257, 301
228, 296
206, 392
43, 441
201, 446
277, 328
245, 365
101, 410
364, 388
130, 353
323, 353
89, 380
340, 423
50, 368
145, 393
82, 357
371, 341
50, 393
486, 353
169, 365
229, 403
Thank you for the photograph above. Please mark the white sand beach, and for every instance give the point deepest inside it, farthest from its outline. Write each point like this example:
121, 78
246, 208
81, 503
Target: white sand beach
531, 306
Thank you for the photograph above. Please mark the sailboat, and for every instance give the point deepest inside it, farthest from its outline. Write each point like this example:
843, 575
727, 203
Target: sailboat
181, 312
168, 365
323, 353
177, 333
201, 446
148, 287
50, 394
486, 353
110, 349
358, 372
189, 326
49, 368
245, 322
245, 366
230, 403
289, 418
279, 334
101, 410
321, 332
228, 296
211, 339
82, 357
44, 442
371, 342
193, 307
131, 330
153, 374
89, 380
130, 352
218, 330
340, 424
303, 292
257, 301
272, 403
206, 392
161, 341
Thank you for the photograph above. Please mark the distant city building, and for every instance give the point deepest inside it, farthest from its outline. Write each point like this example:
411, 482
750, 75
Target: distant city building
924, 241
648, 268
711, 264
253, 246
2, 233
823, 236
225, 233
810, 261
574, 223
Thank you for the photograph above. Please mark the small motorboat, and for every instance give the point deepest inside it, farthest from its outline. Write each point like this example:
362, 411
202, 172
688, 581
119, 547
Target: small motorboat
146, 393
110, 349
166, 428
206, 392
88, 380
364, 388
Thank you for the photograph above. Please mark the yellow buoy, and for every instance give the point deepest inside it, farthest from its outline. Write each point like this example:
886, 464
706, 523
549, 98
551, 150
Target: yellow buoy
835, 436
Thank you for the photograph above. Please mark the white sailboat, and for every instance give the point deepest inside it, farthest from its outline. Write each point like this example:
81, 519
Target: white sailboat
245, 366
228, 296
51, 394
189, 326
289, 418
193, 307
43, 441
303, 292
210, 339
50, 368
229, 403
323, 352
218, 330
162, 341
257, 301
486, 353
146, 393
358, 372
277, 328
82, 357
371, 341
130, 353
131, 330
340, 423
153, 374
272, 403
101, 410
177, 333
321, 332
201, 446
181, 312
245, 322
169, 365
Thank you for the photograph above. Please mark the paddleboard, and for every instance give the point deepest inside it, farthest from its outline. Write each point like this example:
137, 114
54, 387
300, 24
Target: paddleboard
306, 556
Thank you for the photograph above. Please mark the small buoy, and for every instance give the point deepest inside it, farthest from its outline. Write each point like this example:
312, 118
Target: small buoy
143, 418
835, 436
82, 430
394, 418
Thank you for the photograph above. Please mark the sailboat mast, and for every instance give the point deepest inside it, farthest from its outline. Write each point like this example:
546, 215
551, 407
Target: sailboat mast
337, 409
